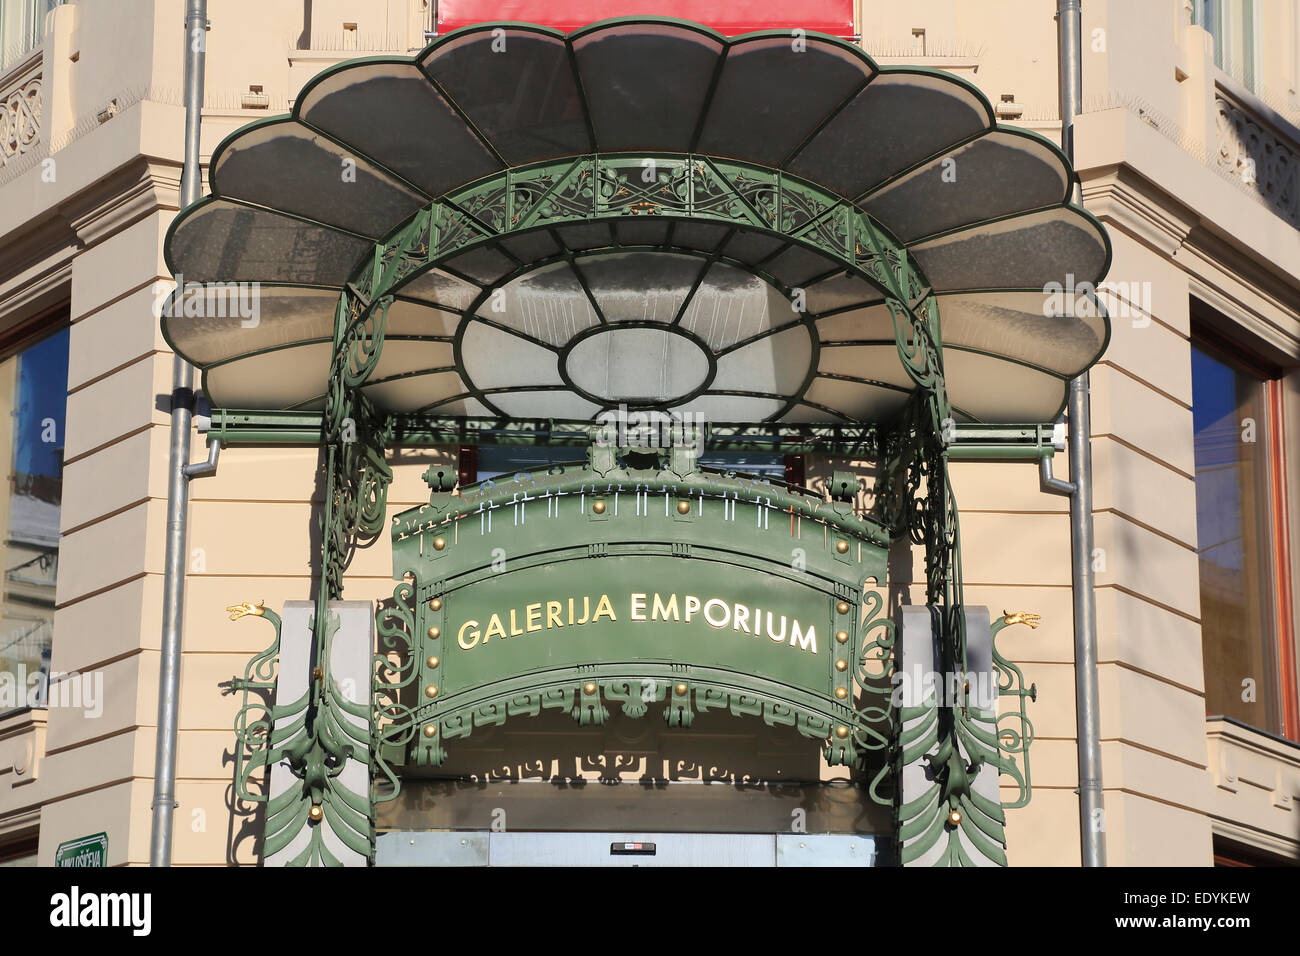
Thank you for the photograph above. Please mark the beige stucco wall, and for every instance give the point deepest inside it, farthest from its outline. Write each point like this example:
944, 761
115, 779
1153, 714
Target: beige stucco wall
1174, 222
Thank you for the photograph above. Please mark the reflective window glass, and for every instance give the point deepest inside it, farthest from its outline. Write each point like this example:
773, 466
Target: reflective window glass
1229, 417
34, 385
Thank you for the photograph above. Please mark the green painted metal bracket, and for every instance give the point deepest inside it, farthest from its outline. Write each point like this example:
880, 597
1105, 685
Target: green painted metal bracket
1005, 442
249, 427
968, 443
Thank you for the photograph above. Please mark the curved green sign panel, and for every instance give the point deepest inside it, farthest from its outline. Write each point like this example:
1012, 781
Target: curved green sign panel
575, 589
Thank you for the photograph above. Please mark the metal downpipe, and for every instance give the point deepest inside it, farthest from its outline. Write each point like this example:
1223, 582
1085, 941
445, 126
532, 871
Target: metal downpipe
1087, 712
178, 498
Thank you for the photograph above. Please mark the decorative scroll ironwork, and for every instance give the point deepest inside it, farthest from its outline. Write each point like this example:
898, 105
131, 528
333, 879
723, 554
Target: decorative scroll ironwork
315, 739
876, 728
395, 672
1015, 732
955, 818
355, 435
970, 824
256, 715
673, 185
314, 734
916, 498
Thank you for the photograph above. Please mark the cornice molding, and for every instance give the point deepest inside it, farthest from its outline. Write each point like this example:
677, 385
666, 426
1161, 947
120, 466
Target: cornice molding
32, 250
35, 274
36, 264
1218, 275
1219, 270
1118, 195
1255, 839
123, 199
35, 295
21, 823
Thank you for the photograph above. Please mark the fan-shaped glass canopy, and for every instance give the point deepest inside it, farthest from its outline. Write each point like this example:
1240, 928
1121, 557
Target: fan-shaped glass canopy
642, 212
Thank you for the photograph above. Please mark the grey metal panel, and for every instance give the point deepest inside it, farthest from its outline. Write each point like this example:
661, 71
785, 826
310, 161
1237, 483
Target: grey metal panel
916, 651
917, 656
672, 849
431, 848
979, 641
825, 849
984, 677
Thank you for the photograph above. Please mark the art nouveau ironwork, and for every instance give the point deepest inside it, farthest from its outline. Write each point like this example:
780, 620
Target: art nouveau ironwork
428, 257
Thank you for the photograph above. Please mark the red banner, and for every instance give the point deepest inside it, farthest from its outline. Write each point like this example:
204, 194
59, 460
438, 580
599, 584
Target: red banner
726, 16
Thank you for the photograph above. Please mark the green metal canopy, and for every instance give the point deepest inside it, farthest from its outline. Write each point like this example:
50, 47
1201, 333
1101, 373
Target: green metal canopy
767, 231
533, 224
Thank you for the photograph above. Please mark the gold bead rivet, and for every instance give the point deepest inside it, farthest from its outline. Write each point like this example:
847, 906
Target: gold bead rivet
430, 730
435, 633
842, 636
841, 731
598, 507
316, 813
842, 607
435, 604
954, 817
431, 691
841, 665
439, 543
589, 687
681, 690
841, 692
683, 507
841, 546
432, 663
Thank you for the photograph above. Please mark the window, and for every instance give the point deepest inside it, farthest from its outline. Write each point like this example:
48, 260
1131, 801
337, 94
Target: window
505, 461
34, 385
22, 25
19, 852
1231, 853
1246, 629
1232, 25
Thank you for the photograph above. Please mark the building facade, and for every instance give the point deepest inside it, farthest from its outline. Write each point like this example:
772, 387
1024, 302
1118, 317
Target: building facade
1187, 150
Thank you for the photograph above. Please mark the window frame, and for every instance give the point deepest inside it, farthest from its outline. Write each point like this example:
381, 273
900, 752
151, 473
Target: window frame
28, 18
1276, 552
1229, 18
20, 337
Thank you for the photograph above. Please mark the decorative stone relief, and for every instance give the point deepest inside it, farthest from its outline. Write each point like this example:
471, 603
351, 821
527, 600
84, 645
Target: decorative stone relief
1258, 157
20, 118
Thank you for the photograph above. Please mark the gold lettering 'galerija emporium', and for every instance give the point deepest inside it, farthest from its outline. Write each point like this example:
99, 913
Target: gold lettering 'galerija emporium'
718, 613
